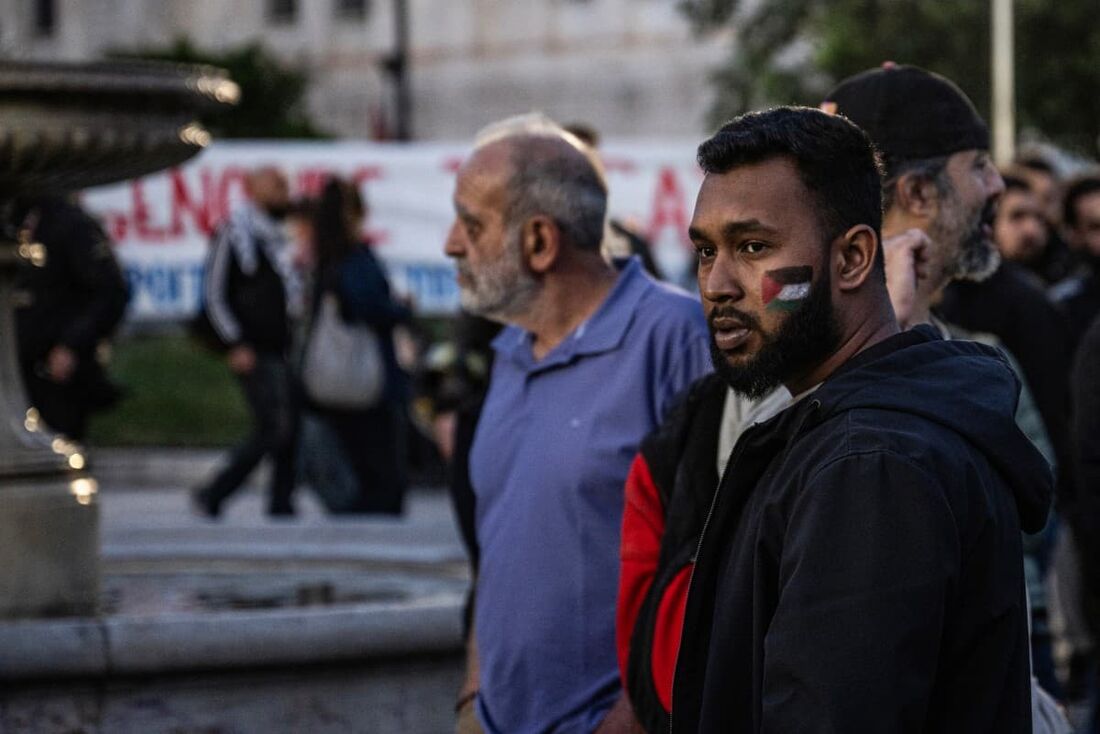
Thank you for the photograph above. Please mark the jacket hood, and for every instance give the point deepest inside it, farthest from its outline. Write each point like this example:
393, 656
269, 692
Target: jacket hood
962, 385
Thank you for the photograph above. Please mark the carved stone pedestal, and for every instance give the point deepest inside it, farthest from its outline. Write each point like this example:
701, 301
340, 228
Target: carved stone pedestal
64, 127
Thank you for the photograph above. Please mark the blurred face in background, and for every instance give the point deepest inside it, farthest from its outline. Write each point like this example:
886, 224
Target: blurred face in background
970, 187
269, 190
1019, 228
1045, 188
299, 225
1084, 235
493, 277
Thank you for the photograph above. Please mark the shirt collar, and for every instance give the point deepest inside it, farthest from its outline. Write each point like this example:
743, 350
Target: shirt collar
602, 332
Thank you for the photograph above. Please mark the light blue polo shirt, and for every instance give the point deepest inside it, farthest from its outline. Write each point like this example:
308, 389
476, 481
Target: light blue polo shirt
548, 464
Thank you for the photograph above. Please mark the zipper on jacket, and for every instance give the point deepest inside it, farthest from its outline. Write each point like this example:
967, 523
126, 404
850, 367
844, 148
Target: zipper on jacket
698, 549
738, 449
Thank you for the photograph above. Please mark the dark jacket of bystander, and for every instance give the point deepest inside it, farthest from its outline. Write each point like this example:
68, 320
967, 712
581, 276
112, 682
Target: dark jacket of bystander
860, 568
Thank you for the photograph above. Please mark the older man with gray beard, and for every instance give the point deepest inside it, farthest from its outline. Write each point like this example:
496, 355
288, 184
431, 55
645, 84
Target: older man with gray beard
590, 359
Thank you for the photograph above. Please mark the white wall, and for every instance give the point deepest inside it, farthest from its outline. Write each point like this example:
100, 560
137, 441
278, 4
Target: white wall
628, 67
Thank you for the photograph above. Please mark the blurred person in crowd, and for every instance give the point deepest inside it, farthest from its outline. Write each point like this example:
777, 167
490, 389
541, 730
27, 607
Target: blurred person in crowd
621, 238
861, 564
1055, 262
1042, 179
588, 363
456, 377
1079, 295
373, 438
1020, 228
70, 305
686, 456
247, 287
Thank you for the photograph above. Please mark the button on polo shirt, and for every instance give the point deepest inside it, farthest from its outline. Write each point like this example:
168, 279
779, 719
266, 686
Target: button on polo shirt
548, 464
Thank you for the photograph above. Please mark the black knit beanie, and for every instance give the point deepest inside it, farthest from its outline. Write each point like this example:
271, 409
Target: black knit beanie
909, 113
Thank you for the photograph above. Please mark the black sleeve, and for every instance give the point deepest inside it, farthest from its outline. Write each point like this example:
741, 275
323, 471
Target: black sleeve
1086, 447
93, 269
870, 555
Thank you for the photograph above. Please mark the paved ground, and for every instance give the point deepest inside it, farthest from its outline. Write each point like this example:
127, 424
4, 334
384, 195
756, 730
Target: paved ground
155, 549
162, 562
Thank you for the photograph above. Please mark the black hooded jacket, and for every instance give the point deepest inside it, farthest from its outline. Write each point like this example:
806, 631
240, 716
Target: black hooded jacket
861, 568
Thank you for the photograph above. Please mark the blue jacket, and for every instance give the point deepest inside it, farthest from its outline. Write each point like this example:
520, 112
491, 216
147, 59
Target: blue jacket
364, 293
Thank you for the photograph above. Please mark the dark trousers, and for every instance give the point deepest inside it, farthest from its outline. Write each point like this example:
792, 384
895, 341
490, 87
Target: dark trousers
374, 441
269, 390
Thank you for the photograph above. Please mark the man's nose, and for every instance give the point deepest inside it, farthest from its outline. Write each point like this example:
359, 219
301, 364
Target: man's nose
455, 246
720, 282
994, 183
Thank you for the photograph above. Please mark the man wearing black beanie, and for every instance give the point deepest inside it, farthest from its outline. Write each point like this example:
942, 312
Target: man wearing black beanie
939, 180
940, 191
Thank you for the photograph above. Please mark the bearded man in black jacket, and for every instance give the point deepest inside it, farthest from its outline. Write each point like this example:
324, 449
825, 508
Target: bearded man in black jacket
860, 565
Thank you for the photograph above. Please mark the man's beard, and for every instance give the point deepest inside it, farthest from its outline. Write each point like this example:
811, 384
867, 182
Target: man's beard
804, 340
501, 289
977, 256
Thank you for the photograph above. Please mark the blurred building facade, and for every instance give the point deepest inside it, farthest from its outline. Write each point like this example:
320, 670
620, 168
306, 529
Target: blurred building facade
627, 67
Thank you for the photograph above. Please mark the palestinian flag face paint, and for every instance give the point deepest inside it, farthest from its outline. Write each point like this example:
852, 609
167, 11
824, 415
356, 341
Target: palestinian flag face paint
784, 289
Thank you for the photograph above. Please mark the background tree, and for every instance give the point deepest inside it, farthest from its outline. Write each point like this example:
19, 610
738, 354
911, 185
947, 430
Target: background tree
794, 51
271, 105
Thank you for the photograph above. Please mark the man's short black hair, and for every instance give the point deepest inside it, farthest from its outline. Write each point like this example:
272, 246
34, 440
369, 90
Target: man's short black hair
835, 160
1079, 188
1015, 183
1038, 164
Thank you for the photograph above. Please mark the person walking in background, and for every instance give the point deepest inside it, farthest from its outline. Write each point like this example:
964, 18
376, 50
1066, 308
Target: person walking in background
245, 300
73, 302
590, 359
373, 437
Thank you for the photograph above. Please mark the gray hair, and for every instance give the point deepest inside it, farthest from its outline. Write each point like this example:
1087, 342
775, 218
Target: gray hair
554, 174
927, 169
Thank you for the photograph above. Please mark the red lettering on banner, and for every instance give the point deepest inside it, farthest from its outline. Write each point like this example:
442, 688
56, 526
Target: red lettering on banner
117, 226
362, 174
182, 203
310, 181
669, 208
230, 175
613, 164
144, 229
451, 164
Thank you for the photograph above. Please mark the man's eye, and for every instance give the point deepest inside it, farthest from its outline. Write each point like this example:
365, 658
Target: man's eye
704, 252
753, 247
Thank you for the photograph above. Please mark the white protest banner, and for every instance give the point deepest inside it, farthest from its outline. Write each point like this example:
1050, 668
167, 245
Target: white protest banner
161, 224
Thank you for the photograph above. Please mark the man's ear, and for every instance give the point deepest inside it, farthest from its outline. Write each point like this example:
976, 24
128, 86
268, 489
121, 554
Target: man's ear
853, 257
541, 243
917, 195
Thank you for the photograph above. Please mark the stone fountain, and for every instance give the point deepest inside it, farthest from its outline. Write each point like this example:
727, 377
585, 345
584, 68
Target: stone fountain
64, 127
